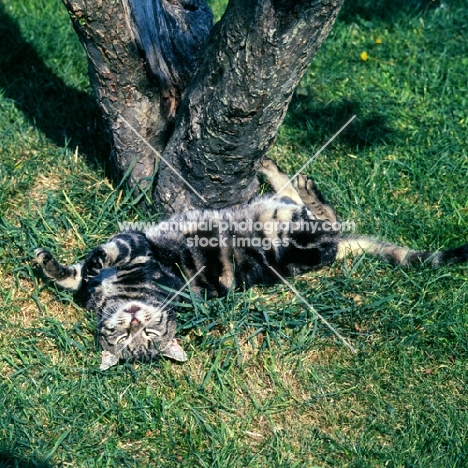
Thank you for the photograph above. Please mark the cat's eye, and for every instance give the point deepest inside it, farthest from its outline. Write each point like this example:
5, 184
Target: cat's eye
152, 332
121, 338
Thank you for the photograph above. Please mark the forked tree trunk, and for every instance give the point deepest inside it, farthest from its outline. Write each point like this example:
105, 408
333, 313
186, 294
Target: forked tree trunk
211, 104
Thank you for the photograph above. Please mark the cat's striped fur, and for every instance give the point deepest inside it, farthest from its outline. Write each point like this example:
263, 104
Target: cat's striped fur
126, 279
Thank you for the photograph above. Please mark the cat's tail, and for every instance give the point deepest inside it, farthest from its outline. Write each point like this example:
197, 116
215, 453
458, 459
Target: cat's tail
397, 255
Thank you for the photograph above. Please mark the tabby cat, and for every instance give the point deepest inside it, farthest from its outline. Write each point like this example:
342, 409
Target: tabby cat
125, 280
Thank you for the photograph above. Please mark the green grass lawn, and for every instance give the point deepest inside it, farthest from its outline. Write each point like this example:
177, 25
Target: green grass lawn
266, 385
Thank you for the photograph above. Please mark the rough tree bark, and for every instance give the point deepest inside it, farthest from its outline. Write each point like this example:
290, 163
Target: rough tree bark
210, 103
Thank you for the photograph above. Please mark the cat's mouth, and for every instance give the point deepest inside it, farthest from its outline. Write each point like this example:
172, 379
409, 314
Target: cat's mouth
136, 316
135, 322
133, 309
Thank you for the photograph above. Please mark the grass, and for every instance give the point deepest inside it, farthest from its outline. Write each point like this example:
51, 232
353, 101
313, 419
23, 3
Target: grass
265, 385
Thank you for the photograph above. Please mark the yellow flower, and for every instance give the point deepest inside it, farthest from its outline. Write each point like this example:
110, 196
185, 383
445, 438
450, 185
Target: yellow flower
364, 56
378, 41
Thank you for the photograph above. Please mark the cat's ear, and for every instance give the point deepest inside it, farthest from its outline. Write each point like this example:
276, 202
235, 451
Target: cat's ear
108, 360
174, 351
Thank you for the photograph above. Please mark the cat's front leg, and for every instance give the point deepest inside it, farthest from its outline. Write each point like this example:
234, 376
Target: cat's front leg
125, 248
96, 260
68, 277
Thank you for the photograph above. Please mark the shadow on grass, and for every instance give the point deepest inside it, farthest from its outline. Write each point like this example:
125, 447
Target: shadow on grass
323, 121
10, 459
64, 114
385, 10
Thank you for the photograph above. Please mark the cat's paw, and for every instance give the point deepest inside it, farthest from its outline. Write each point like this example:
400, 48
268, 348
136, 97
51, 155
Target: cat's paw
269, 168
95, 262
50, 267
42, 257
304, 185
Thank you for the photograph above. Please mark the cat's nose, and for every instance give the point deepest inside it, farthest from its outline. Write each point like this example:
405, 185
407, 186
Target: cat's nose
135, 324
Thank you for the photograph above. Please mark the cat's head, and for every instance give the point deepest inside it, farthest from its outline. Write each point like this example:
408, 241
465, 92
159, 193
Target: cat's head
134, 329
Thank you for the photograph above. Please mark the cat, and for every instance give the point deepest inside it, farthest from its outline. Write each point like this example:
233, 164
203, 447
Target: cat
125, 281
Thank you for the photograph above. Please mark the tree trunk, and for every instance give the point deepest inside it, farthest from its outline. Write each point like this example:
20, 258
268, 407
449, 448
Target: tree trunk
141, 54
212, 107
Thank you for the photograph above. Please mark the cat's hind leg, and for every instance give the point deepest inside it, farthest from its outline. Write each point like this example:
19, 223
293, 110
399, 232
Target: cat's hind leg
279, 181
302, 190
68, 277
313, 198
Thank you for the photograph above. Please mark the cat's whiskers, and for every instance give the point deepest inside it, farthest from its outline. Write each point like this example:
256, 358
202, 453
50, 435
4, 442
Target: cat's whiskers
108, 312
163, 307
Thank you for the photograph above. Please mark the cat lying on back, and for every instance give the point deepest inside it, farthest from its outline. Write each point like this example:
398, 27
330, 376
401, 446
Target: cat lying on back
124, 280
